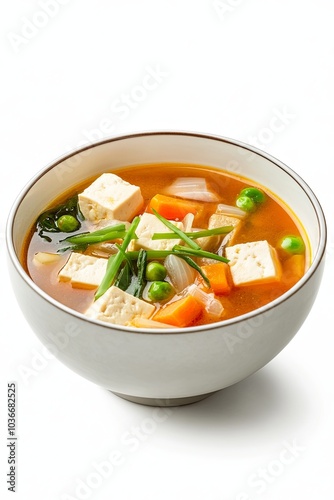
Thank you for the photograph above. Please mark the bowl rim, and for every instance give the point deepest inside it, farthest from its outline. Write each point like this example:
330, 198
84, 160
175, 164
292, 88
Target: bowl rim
318, 257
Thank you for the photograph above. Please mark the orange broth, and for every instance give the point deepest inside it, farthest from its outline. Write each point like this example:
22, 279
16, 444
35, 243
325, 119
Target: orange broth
270, 221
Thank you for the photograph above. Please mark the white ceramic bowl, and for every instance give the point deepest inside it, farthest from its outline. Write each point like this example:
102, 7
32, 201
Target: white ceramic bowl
152, 366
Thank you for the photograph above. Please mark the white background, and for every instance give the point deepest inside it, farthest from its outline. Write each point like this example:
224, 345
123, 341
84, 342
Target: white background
76, 71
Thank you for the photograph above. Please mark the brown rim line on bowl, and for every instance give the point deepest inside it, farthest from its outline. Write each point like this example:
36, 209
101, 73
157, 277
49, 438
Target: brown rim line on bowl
152, 366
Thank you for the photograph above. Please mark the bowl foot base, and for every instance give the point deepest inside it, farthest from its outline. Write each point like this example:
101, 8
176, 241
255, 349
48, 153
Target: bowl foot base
163, 401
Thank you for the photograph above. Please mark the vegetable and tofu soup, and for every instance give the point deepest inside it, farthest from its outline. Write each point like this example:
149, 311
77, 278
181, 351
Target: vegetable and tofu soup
166, 246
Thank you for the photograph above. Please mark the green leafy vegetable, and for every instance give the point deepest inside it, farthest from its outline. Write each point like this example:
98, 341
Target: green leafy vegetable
195, 234
151, 254
47, 222
115, 261
108, 233
177, 250
193, 264
180, 250
124, 277
177, 231
139, 282
126, 257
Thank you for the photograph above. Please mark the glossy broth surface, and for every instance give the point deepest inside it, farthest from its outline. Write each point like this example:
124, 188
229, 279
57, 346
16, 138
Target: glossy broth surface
270, 221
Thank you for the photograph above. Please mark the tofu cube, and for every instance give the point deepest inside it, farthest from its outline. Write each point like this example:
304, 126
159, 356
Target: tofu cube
119, 308
148, 225
253, 263
213, 243
110, 197
83, 271
219, 220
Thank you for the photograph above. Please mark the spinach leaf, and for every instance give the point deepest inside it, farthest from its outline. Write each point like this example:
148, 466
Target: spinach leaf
47, 221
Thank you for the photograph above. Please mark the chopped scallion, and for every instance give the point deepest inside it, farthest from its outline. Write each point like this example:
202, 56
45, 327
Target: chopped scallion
116, 260
140, 280
124, 277
193, 264
151, 254
195, 234
108, 233
181, 250
177, 231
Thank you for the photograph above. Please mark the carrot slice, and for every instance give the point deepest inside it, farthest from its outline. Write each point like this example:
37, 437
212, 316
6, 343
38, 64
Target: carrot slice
180, 313
218, 275
173, 208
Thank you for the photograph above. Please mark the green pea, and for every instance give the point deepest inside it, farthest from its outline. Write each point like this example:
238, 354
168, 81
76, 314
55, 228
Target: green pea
160, 290
254, 193
293, 244
155, 271
68, 223
245, 203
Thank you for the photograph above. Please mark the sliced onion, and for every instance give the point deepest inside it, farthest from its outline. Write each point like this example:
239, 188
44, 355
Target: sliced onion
179, 272
230, 210
212, 305
104, 249
140, 322
46, 258
192, 188
188, 222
